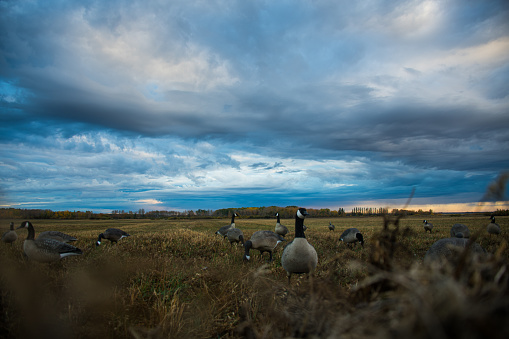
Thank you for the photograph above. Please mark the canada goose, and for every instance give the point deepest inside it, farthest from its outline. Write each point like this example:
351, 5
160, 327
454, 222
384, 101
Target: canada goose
235, 235
493, 228
448, 249
299, 256
112, 234
59, 236
427, 226
223, 230
331, 227
45, 250
263, 241
10, 236
352, 236
282, 230
460, 231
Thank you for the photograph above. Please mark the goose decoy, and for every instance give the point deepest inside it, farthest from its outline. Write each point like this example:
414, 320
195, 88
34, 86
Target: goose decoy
10, 236
223, 230
449, 248
282, 230
235, 235
45, 250
263, 241
460, 231
427, 226
112, 234
352, 236
331, 226
493, 228
59, 236
299, 256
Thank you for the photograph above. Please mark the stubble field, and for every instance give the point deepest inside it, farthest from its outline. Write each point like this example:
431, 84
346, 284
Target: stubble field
177, 279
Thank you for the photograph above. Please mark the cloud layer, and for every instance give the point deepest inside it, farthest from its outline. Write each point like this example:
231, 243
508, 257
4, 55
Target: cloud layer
187, 105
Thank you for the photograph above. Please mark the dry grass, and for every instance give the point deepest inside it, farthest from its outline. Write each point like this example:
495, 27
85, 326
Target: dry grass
177, 279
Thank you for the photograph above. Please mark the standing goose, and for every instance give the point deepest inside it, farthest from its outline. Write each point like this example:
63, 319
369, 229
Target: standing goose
235, 235
331, 227
10, 236
493, 228
352, 236
460, 231
59, 236
282, 230
263, 241
224, 230
45, 250
299, 256
112, 234
427, 226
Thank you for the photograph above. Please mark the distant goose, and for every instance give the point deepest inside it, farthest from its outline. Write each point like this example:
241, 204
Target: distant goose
56, 235
460, 231
223, 230
10, 236
235, 235
352, 236
427, 226
112, 234
263, 241
449, 248
299, 256
331, 227
45, 250
493, 228
282, 230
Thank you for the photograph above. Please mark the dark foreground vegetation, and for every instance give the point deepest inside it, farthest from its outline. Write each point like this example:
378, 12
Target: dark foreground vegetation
176, 279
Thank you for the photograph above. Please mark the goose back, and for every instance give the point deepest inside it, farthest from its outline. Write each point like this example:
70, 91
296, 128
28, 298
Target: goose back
224, 230
56, 235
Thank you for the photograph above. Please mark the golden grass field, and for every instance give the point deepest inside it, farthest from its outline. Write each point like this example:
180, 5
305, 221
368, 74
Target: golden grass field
177, 279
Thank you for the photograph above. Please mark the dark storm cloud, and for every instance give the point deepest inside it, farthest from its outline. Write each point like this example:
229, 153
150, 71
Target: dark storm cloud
372, 99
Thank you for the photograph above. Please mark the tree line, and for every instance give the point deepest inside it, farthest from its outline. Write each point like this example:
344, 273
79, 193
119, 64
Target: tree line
249, 212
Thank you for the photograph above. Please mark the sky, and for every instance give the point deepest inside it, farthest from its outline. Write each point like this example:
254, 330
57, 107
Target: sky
187, 105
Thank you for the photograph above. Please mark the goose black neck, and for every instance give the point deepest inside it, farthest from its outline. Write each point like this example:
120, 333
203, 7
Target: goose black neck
299, 227
233, 218
31, 232
12, 226
278, 220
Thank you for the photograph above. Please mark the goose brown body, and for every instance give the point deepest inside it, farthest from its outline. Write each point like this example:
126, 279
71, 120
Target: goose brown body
263, 241
449, 248
352, 236
460, 231
280, 229
45, 250
427, 226
235, 235
10, 236
224, 230
493, 227
299, 256
113, 235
